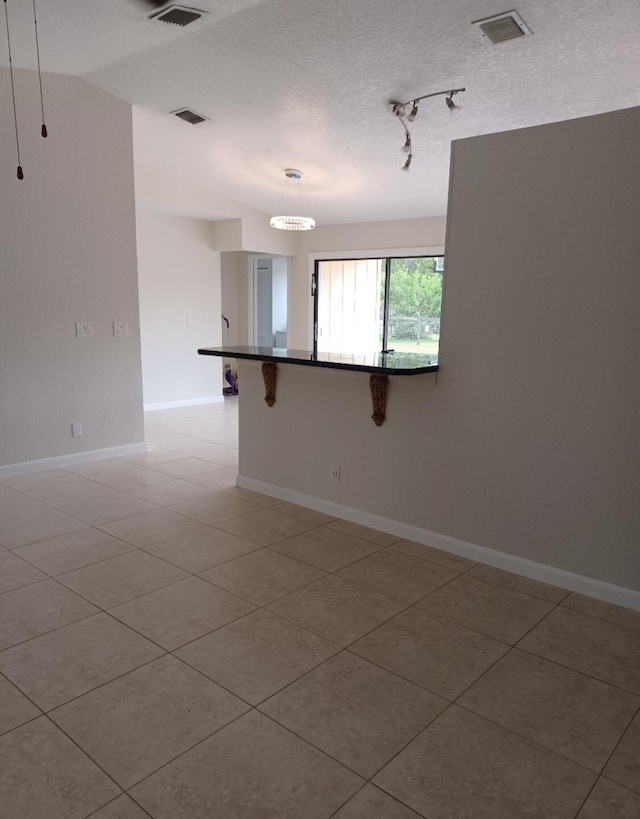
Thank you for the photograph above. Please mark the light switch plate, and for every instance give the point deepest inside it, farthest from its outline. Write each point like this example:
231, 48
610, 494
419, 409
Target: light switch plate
84, 329
120, 328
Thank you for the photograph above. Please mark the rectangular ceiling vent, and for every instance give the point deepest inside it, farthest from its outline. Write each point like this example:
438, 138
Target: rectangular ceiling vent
190, 116
177, 15
502, 27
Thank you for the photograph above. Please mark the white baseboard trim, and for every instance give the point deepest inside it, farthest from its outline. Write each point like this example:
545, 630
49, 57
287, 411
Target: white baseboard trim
60, 461
482, 554
189, 402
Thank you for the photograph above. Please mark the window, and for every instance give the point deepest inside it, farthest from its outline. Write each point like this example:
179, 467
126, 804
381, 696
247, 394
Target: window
363, 306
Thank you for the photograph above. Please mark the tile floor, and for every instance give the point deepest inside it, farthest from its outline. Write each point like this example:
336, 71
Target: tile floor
172, 646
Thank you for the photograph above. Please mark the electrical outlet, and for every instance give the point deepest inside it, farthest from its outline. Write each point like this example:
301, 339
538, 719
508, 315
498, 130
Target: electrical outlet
76, 429
120, 328
84, 329
335, 473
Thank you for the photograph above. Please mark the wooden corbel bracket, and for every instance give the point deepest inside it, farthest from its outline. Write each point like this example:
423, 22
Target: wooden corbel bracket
378, 385
269, 376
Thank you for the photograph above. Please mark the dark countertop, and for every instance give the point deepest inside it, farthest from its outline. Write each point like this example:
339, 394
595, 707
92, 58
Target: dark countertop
380, 363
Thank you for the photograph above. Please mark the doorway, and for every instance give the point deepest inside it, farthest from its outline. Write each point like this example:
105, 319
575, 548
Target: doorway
270, 295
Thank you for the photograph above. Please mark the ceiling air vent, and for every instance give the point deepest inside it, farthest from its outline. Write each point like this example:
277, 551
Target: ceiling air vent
502, 27
177, 15
190, 116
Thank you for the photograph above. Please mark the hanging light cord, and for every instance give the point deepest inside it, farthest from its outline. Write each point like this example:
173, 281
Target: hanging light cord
35, 25
13, 93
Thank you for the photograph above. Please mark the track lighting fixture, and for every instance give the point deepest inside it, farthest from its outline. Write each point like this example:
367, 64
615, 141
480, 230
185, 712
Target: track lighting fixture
43, 129
407, 112
292, 222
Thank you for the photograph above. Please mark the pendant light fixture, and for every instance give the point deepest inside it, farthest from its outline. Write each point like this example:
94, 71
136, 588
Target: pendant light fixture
43, 129
292, 222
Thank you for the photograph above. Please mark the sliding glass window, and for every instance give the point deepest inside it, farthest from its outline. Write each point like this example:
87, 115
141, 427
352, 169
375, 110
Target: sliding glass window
365, 306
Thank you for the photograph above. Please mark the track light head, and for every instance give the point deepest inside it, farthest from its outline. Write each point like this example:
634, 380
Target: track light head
407, 112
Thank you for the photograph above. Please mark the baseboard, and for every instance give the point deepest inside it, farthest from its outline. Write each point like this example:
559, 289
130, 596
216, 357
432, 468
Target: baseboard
491, 557
190, 402
60, 461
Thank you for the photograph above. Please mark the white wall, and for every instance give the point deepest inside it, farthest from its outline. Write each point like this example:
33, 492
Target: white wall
180, 309
528, 442
67, 254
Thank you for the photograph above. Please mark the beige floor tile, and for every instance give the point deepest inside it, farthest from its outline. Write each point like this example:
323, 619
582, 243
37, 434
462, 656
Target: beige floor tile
609, 801
126, 477
185, 468
93, 469
114, 581
325, 548
355, 529
38, 480
35, 526
121, 808
319, 518
68, 552
419, 550
217, 507
552, 594
139, 722
15, 708
624, 766
181, 612
59, 494
439, 655
266, 526
170, 493
262, 576
574, 715
262, 771
63, 664
605, 611
38, 608
107, 508
336, 609
151, 527
598, 648
356, 712
17, 509
44, 775
399, 575
372, 803
201, 548
463, 765
16, 572
257, 655
217, 479
494, 610
153, 457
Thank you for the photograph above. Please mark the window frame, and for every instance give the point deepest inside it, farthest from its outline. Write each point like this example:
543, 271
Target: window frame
432, 253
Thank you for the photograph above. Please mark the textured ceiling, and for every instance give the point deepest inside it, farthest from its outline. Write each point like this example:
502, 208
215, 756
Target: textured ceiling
305, 84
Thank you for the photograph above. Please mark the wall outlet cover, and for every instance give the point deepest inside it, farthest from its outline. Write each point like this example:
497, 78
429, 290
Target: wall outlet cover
84, 329
120, 328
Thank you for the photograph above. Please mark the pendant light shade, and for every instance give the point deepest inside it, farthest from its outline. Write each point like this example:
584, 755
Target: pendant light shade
293, 222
